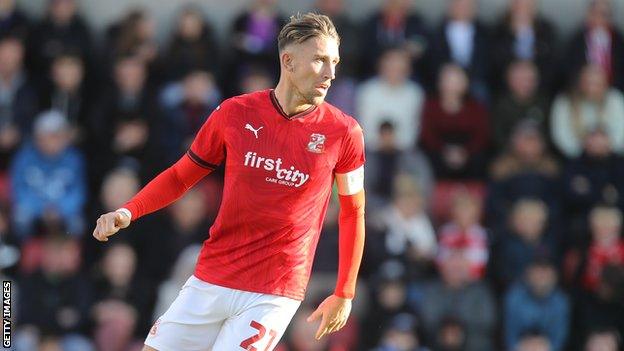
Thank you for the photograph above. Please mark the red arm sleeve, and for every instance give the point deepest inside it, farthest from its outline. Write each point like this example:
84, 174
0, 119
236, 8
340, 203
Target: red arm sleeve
206, 152
167, 187
351, 243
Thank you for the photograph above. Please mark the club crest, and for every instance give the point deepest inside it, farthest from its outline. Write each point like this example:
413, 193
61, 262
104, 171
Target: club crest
317, 143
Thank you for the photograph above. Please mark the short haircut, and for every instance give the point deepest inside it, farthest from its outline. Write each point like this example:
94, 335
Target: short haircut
303, 27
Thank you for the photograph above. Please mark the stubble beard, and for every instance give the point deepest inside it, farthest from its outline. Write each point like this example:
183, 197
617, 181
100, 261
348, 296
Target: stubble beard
313, 98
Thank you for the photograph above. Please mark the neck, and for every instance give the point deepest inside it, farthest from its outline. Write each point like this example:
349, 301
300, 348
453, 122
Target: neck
461, 20
464, 225
609, 242
61, 22
129, 92
451, 103
68, 90
6, 78
394, 82
289, 100
522, 97
521, 20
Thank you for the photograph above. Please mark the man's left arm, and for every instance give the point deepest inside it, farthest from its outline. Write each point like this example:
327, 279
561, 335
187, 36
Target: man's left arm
335, 309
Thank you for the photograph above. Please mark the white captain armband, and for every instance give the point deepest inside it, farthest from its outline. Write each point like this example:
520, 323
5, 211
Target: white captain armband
350, 183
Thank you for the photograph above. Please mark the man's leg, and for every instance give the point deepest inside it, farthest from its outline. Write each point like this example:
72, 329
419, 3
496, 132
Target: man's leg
260, 325
193, 320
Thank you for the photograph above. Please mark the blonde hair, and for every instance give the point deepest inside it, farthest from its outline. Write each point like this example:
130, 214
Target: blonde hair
303, 27
577, 97
600, 214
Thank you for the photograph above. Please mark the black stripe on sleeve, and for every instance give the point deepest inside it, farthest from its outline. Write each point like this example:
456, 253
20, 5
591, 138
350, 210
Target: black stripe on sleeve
199, 161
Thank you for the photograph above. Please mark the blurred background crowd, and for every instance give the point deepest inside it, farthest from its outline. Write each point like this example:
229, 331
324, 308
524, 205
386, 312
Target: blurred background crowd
494, 176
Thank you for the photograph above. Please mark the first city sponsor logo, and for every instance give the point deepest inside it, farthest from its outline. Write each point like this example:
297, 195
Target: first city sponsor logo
6, 314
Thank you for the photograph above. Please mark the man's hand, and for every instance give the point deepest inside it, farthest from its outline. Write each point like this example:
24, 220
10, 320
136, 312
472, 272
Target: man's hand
334, 311
109, 224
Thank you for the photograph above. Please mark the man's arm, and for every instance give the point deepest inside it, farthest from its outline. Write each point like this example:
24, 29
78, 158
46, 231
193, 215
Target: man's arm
336, 308
351, 242
206, 152
167, 187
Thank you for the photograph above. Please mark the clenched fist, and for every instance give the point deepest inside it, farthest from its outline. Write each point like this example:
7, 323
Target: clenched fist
109, 224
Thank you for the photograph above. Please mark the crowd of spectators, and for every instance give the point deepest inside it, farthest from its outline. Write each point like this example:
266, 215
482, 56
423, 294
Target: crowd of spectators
494, 175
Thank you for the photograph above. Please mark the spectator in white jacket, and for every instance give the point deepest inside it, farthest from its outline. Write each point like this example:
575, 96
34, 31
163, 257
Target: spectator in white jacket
591, 105
391, 96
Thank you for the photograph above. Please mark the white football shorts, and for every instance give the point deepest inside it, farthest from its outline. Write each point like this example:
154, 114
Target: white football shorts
208, 317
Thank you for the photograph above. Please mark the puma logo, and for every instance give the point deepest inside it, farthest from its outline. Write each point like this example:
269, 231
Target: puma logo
255, 131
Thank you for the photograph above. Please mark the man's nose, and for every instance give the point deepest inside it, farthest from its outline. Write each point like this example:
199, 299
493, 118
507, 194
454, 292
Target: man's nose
330, 72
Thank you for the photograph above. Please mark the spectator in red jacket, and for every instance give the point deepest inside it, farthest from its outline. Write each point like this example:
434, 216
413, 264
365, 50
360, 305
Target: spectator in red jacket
607, 246
455, 128
464, 232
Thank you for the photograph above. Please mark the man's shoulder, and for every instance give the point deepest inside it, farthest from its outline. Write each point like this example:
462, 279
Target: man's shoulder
339, 116
231, 108
253, 100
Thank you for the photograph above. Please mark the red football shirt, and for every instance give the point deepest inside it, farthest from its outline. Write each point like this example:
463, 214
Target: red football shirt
279, 172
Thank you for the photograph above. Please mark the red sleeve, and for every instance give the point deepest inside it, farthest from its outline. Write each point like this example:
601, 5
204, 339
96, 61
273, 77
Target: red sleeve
167, 187
205, 154
352, 150
208, 148
351, 243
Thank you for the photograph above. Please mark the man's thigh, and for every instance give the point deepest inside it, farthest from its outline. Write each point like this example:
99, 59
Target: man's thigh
194, 319
259, 326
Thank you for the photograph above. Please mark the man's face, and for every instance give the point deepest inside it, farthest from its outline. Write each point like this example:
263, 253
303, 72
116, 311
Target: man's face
602, 342
523, 7
62, 11
197, 86
452, 81
462, 10
594, 83
67, 73
53, 143
534, 343
394, 67
529, 221
599, 14
542, 280
190, 25
597, 144
311, 66
605, 227
7, 6
522, 80
130, 75
528, 145
11, 56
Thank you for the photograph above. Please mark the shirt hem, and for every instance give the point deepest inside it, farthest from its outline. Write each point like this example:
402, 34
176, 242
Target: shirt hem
216, 281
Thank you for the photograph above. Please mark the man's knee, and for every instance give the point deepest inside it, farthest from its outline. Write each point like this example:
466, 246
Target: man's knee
148, 348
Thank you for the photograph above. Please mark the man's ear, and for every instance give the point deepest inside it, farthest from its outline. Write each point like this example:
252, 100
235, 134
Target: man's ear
287, 61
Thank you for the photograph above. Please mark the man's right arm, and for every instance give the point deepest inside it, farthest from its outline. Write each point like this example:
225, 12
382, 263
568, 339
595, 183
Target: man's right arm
167, 187
206, 152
